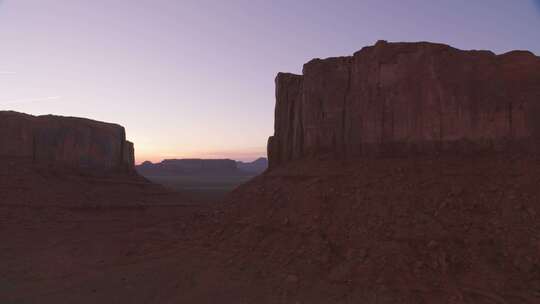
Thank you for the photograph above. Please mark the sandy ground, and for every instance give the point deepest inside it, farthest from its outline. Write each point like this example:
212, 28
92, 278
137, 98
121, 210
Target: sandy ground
67, 237
368, 231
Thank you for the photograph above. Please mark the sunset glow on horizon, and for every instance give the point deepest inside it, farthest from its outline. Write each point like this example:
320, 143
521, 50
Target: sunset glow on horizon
195, 79
246, 154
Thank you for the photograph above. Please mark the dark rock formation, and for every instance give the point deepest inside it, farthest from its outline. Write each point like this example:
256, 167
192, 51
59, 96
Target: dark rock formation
408, 99
69, 141
257, 166
176, 167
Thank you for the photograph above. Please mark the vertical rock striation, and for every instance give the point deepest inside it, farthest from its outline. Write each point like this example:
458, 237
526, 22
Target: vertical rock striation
75, 142
407, 99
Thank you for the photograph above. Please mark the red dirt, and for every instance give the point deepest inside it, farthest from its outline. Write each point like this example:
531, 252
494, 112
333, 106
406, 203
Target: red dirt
451, 230
448, 230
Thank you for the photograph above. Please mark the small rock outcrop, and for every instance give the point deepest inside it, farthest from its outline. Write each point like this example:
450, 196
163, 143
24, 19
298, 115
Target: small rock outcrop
406, 99
74, 142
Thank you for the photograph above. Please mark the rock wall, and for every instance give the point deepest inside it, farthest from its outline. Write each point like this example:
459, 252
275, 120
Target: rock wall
406, 99
75, 142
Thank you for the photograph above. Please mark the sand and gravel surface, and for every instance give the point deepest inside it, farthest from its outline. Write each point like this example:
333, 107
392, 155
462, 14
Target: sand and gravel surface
439, 230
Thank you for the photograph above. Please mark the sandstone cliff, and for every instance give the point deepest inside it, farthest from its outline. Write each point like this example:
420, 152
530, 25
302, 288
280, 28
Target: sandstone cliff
406, 99
75, 142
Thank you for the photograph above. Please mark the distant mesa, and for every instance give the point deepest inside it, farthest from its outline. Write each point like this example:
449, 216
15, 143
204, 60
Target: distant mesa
178, 167
173, 167
407, 99
257, 166
68, 141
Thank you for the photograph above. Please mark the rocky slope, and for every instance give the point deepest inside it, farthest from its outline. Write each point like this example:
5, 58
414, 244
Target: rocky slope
404, 174
388, 230
73, 142
408, 98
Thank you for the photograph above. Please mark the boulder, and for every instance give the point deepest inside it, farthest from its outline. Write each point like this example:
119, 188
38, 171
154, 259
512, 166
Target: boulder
403, 99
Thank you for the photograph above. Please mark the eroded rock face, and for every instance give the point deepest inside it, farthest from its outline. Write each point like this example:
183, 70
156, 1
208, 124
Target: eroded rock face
408, 98
75, 142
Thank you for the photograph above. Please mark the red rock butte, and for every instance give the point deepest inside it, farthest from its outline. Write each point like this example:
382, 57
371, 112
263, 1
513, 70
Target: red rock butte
69, 141
402, 99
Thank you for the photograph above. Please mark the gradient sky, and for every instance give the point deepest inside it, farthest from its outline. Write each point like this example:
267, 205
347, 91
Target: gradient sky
196, 78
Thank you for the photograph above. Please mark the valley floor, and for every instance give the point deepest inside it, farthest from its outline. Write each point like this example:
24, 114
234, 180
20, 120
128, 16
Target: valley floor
127, 255
457, 230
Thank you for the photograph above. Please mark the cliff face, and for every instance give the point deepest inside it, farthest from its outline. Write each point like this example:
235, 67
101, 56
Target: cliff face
69, 141
406, 99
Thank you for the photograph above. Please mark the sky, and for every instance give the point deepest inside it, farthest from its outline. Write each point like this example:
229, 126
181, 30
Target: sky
195, 78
